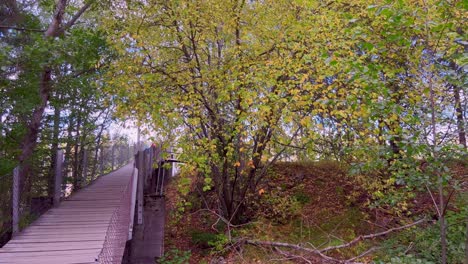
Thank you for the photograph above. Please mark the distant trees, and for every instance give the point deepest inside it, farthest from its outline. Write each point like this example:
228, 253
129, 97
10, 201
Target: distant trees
51, 62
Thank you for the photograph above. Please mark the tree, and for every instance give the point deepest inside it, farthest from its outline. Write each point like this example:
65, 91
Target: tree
71, 60
239, 80
55, 29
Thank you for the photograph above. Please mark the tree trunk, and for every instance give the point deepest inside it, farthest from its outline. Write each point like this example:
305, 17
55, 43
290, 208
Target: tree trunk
98, 146
459, 115
54, 148
68, 147
29, 141
442, 223
76, 160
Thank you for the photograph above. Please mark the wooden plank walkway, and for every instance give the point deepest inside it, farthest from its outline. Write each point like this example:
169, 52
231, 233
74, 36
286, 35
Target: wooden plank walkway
75, 231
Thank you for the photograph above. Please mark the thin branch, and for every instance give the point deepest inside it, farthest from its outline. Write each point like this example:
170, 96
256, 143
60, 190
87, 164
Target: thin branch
288, 245
73, 20
359, 238
365, 253
433, 200
322, 251
292, 256
21, 29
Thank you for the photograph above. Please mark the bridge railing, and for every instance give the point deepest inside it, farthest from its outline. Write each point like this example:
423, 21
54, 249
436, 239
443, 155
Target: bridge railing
152, 168
20, 207
118, 229
144, 177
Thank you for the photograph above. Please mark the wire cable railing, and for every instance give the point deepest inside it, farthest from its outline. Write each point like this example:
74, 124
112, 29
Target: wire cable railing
19, 208
117, 231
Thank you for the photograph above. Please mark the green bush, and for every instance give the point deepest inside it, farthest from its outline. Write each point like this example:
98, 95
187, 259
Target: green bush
203, 239
209, 240
175, 256
426, 243
279, 209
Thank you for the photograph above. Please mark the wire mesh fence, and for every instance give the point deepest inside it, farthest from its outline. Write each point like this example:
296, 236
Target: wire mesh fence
81, 166
117, 232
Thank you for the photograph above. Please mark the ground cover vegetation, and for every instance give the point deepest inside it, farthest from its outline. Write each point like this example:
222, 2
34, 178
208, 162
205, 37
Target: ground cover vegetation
311, 131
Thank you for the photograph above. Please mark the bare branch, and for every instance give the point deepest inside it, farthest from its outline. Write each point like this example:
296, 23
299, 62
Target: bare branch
288, 245
57, 19
365, 253
292, 256
73, 20
370, 236
320, 252
21, 29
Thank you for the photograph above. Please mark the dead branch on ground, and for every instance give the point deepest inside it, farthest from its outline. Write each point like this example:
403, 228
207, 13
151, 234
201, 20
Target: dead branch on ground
321, 252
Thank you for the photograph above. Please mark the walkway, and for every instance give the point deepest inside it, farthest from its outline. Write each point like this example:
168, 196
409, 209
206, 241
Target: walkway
91, 224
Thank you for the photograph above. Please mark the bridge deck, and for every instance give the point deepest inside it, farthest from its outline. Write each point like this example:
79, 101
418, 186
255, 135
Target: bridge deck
75, 231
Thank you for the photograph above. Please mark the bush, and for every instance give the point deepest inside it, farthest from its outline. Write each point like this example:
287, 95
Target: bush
280, 209
175, 256
426, 243
209, 240
203, 239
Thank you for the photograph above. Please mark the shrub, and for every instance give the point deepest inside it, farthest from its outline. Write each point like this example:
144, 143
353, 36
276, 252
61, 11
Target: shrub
175, 256
426, 243
203, 239
279, 209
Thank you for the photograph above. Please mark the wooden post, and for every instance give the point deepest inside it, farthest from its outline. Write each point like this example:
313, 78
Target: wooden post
141, 170
151, 165
113, 158
162, 180
101, 162
15, 201
58, 177
172, 165
85, 168
129, 153
133, 202
145, 167
158, 177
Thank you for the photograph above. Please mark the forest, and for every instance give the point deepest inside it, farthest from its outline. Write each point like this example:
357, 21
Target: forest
311, 131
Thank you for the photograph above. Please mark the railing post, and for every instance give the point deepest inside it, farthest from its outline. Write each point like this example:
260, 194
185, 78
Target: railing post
158, 174
145, 160
85, 168
15, 201
151, 165
58, 177
161, 192
101, 165
129, 153
132, 203
113, 158
141, 170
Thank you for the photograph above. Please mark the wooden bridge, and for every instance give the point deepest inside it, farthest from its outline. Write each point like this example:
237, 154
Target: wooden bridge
94, 224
